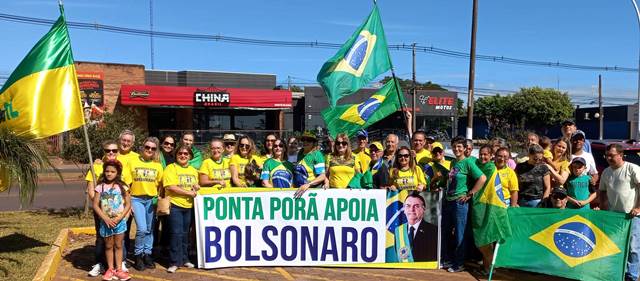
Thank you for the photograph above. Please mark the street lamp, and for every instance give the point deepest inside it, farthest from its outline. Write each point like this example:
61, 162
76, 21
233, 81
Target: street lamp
635, 5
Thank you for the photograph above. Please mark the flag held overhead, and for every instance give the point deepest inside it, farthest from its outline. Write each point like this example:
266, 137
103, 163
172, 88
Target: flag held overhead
360, 60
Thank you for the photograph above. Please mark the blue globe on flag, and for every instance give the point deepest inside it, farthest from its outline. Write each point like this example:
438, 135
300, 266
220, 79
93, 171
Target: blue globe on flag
575, 239
368, 107
357, 52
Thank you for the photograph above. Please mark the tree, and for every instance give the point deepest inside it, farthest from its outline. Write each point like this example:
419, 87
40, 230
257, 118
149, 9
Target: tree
407, 84
108, 129
531, 108
21, 159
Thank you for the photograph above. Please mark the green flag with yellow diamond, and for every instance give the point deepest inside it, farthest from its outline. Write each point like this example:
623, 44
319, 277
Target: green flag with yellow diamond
350, 118
577, 244
489, 216
360, 60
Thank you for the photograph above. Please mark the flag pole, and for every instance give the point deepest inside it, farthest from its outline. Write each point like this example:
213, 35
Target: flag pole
86, 134
493, 261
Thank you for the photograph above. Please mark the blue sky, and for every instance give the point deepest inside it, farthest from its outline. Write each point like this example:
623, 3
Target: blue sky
598, 33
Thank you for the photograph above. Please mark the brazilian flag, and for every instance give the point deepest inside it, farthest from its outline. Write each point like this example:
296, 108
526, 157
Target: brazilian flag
489, 215
41, 97
572, 243
351, 118
360, 60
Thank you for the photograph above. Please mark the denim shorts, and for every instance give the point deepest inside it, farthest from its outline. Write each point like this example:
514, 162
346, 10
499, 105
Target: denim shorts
105, 231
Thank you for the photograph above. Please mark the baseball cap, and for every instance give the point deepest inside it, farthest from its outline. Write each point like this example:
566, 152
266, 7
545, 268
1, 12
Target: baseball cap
568, 122
436, 149
559, 191
308, 135
578, 134
377, 145
579, 160
362, 133
229, 138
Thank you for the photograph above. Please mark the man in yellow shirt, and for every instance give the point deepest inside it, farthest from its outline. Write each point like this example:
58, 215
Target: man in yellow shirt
362, 151
420, 149
126, 155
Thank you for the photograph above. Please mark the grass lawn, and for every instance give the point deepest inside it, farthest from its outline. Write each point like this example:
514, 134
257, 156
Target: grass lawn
26, 237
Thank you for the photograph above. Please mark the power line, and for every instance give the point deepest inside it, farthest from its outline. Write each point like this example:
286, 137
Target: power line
308, 44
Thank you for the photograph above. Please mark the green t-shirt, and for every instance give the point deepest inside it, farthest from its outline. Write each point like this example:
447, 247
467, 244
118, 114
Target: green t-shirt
280, 174
578, 188
462, 176
311, 166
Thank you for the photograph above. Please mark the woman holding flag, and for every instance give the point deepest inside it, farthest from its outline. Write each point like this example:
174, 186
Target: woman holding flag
277, 171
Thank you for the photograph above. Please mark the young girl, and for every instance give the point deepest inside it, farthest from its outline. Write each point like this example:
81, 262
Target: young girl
111, 203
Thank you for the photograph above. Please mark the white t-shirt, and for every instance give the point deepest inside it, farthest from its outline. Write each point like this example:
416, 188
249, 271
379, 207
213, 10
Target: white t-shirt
591, 163
621, 185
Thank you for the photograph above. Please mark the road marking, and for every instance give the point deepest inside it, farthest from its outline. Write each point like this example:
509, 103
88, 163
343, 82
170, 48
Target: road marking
191, 271
284, 273
378, 274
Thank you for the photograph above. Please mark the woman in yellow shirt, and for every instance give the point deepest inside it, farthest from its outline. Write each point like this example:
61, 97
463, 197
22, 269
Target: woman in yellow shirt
342, 164
214, 172
181, 184
146, 175
240, 159
405, 174
559, 166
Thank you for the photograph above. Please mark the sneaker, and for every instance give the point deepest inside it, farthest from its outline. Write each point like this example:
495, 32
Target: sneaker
172, 269
122, 275
189, 265
456, 269
108, 275
148, 262
447, 265
139, 265
124, 266
96, 270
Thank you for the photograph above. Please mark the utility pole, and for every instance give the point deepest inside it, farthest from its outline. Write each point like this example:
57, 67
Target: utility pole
289, 82
413, 102
472, 70
600, 109
151, 33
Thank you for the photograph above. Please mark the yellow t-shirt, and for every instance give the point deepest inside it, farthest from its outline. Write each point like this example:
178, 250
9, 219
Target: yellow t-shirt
423, 157
185, 178
98, 169
408, 179
561, 166
547, 154
239, 162
215, 171
126, 159
146, 177
364, 160
341, 172
509, 181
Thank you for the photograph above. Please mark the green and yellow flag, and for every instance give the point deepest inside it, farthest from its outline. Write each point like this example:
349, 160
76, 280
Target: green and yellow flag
350, 118
360, 60
41, 97
572, 243
489, 216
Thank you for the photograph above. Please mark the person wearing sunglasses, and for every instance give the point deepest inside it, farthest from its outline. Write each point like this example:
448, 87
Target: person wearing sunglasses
229, 141
342, 165
267, 150
405, 174
214, 172
188, 139
243, 155
146, 174
557, 200
310, 170
277, 171
465, 179
110, 149
180, 181
378, 167
168, 145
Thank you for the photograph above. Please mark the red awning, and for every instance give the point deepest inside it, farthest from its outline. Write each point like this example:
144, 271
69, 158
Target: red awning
147, 95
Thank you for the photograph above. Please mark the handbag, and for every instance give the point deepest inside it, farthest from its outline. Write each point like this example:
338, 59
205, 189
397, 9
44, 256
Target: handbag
164, 206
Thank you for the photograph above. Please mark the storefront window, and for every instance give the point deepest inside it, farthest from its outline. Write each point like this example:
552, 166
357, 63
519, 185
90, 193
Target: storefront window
249, 120
222, 122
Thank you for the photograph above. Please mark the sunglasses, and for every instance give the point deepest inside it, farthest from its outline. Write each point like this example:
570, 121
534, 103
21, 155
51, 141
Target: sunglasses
110, 150
343, 143
559, 197
278, 145
229, 143
244, 145
152, 148
183, 153
168, 143
404, 155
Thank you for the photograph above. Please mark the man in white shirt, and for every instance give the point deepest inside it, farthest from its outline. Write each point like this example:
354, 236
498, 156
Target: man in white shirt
619, 187
577, 147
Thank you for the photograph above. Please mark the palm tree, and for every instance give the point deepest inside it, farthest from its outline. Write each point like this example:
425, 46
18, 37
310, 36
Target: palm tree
21, 159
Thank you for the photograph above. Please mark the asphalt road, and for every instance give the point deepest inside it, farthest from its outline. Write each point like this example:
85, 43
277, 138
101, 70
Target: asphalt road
50, 194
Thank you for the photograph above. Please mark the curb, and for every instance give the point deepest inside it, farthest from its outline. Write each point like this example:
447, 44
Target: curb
49, 266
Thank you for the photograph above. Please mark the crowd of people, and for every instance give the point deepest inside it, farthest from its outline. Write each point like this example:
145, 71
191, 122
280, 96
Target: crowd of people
557, 173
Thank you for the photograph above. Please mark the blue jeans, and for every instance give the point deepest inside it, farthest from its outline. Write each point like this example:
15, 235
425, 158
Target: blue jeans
179, 222
633, 261
143, 214
454, 220
529, 203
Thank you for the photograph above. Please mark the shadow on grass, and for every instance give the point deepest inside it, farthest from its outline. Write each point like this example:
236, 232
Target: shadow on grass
18, 242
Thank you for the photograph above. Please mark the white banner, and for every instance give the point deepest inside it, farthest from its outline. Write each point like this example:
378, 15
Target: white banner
271, 228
